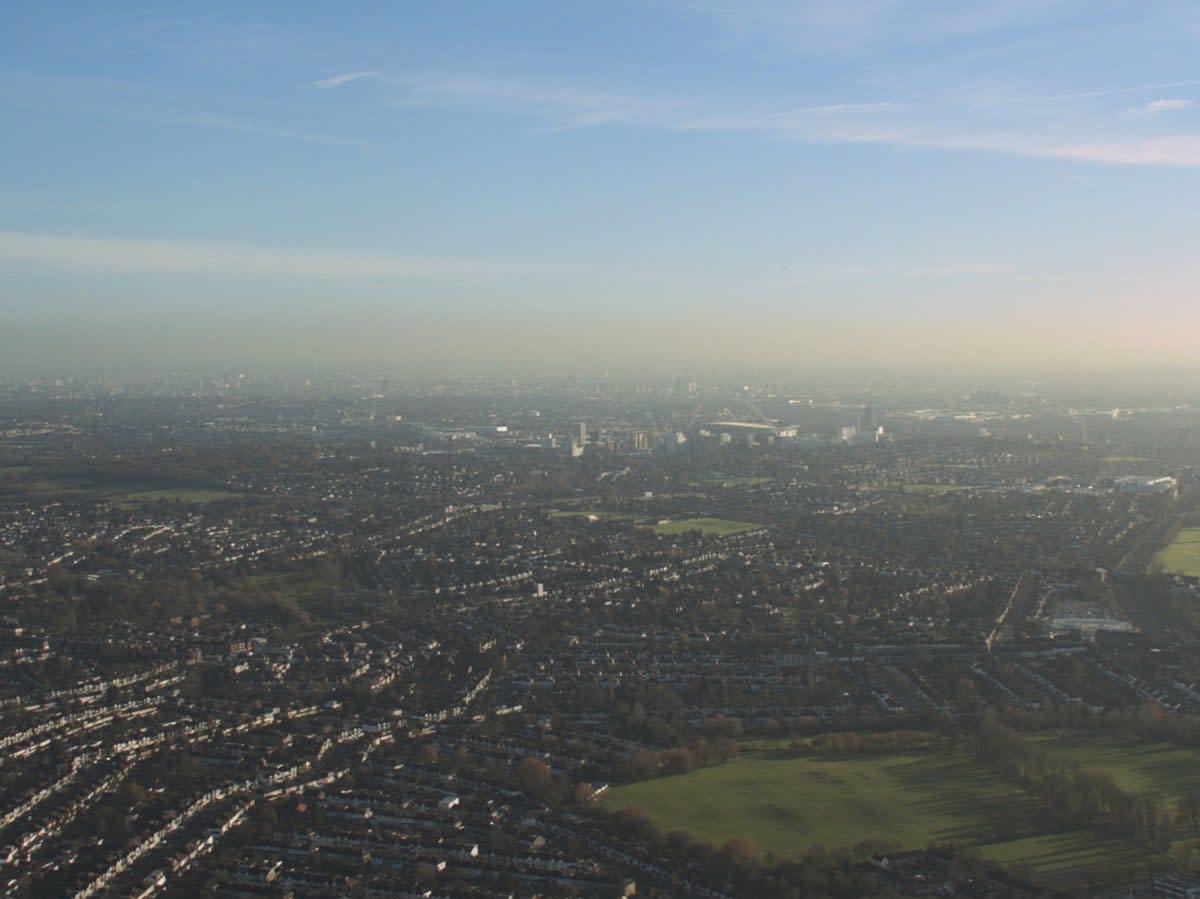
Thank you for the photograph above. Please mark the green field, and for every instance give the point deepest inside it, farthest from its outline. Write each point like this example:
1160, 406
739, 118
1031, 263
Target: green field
1180, 556
741, 481
197, 495
786, 805
309, 588
130, 493
584, 513
709, 527
1162, 770
932, 488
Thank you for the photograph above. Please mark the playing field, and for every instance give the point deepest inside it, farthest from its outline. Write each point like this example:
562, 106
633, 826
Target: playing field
1161, 770
130, 493
309, 588
592, 513
709, 527
786, 805
1180, 556
933, 488
197, 495
735, 481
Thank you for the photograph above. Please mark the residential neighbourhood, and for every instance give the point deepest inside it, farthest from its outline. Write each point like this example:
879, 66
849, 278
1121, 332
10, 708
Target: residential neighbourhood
306, 648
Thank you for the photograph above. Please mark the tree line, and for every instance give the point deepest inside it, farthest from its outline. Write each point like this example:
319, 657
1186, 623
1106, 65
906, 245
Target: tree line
1077, 796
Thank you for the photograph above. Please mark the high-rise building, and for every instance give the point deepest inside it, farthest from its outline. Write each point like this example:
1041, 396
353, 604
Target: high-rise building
581, 435
868, 422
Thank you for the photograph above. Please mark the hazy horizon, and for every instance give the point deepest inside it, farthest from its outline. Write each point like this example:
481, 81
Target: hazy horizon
651, 184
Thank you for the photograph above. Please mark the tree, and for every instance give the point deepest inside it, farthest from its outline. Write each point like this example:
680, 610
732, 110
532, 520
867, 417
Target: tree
678, 761
534, 776
741, 853
725, 749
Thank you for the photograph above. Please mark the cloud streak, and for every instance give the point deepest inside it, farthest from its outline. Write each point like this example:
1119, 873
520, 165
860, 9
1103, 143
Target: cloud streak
346, 78
944, 127
567, 106
123, 255
964, 268
1158, 107
224, 124
849, 27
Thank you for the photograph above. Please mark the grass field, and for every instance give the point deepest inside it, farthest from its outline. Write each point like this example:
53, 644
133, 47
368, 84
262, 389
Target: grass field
741, 481
198, 495
308, 588
129, 494
1180, 556
1159, 769
932, 488
709, 527
788, 804
585, 513
1068, 857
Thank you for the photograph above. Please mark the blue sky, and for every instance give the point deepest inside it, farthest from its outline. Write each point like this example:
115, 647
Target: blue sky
931, 181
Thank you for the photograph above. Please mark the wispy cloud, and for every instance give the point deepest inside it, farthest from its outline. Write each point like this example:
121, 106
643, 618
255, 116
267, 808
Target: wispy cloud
964, 268
132, 101
561, 104
38, 88
567, 106
224, 124
1173, 151
880, 122
345, 78
1158, 107
1096, 93
838, 27
124, 255
931, 271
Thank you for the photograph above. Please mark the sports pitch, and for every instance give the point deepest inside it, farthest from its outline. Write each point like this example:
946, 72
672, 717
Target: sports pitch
787, 804
1180, 556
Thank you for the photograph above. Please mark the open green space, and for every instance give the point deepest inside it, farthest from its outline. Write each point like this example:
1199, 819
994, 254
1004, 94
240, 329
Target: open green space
1162, 770
1069, 857
1180, 556
13, 471
197, 495
741, 481
709, 527
1118, 459
786, 804
309, 587
590, 513
128, 493
932, 488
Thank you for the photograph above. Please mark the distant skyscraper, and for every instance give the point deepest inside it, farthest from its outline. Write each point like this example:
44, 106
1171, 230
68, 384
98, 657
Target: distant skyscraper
581, 437
868, 422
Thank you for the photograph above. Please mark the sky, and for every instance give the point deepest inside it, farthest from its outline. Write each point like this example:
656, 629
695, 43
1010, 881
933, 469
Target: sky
666, 183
